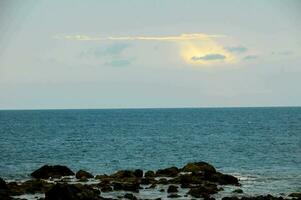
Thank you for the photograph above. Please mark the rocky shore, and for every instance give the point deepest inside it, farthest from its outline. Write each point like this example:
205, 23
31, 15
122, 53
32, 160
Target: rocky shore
198, 180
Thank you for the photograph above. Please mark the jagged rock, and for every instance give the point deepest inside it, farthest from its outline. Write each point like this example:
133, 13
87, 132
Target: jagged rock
198, 166
172, 189
168, 172
83, 174
55, 171
72, 192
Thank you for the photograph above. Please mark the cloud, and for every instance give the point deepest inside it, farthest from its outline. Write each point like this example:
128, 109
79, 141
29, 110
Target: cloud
182, 37
209, 57
237, 49
118, 62
115, 49
250, 57
282, 53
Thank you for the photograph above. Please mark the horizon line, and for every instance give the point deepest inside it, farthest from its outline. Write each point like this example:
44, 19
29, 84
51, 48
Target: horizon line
149, 108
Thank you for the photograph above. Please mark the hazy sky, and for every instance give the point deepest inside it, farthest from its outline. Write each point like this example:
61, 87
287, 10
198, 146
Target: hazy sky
164, 53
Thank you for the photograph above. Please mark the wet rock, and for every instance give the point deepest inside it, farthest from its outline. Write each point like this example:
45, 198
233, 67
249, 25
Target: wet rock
168, 172
149, 174
130, 196
4, 193
138, 173
147, 181
83, 174
198, 166
239, 191
105, 186
55, 171
173, 196
230, 198
72, 192
133, 187
295, 195
123, 174
203, 191
172, 189
162, 181
223, 179
29, 187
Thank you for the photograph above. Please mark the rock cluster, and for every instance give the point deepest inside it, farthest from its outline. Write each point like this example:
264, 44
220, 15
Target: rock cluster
199, 179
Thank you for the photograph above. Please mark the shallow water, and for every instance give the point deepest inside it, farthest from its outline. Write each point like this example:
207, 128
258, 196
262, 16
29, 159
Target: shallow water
262, 146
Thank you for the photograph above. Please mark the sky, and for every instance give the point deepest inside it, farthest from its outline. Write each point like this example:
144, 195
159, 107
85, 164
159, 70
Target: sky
71, 54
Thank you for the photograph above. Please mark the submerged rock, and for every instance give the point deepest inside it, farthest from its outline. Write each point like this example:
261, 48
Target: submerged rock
55, 171
83, 174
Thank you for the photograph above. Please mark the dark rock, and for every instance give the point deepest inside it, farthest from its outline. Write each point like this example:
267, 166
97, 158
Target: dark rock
83, 174
198, 166
203, 191
133, 187
147, 181
239, 191
168, 172
29, 187
149, 174
138, 173
162, 190
4, 193
72, 192
172, 189
295, 195
223, 179
130, 196
163, 181
123, 174
173, 196
230, 198
55, 171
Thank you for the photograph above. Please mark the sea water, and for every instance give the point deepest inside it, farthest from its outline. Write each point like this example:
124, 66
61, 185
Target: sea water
261, 146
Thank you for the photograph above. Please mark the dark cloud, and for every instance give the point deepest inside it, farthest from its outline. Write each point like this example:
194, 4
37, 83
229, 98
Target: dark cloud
209, 57
250, 57
237, 49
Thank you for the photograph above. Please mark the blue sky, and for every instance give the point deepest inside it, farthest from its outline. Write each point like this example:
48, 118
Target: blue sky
133, 54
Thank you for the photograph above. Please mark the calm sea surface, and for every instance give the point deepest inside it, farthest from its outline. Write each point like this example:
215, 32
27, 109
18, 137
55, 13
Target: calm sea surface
262, 146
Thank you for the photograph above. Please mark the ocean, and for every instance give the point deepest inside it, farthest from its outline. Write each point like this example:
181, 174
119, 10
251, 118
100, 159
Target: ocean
261, 146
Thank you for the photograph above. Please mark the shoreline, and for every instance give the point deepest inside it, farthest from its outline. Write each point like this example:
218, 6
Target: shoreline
198, 180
